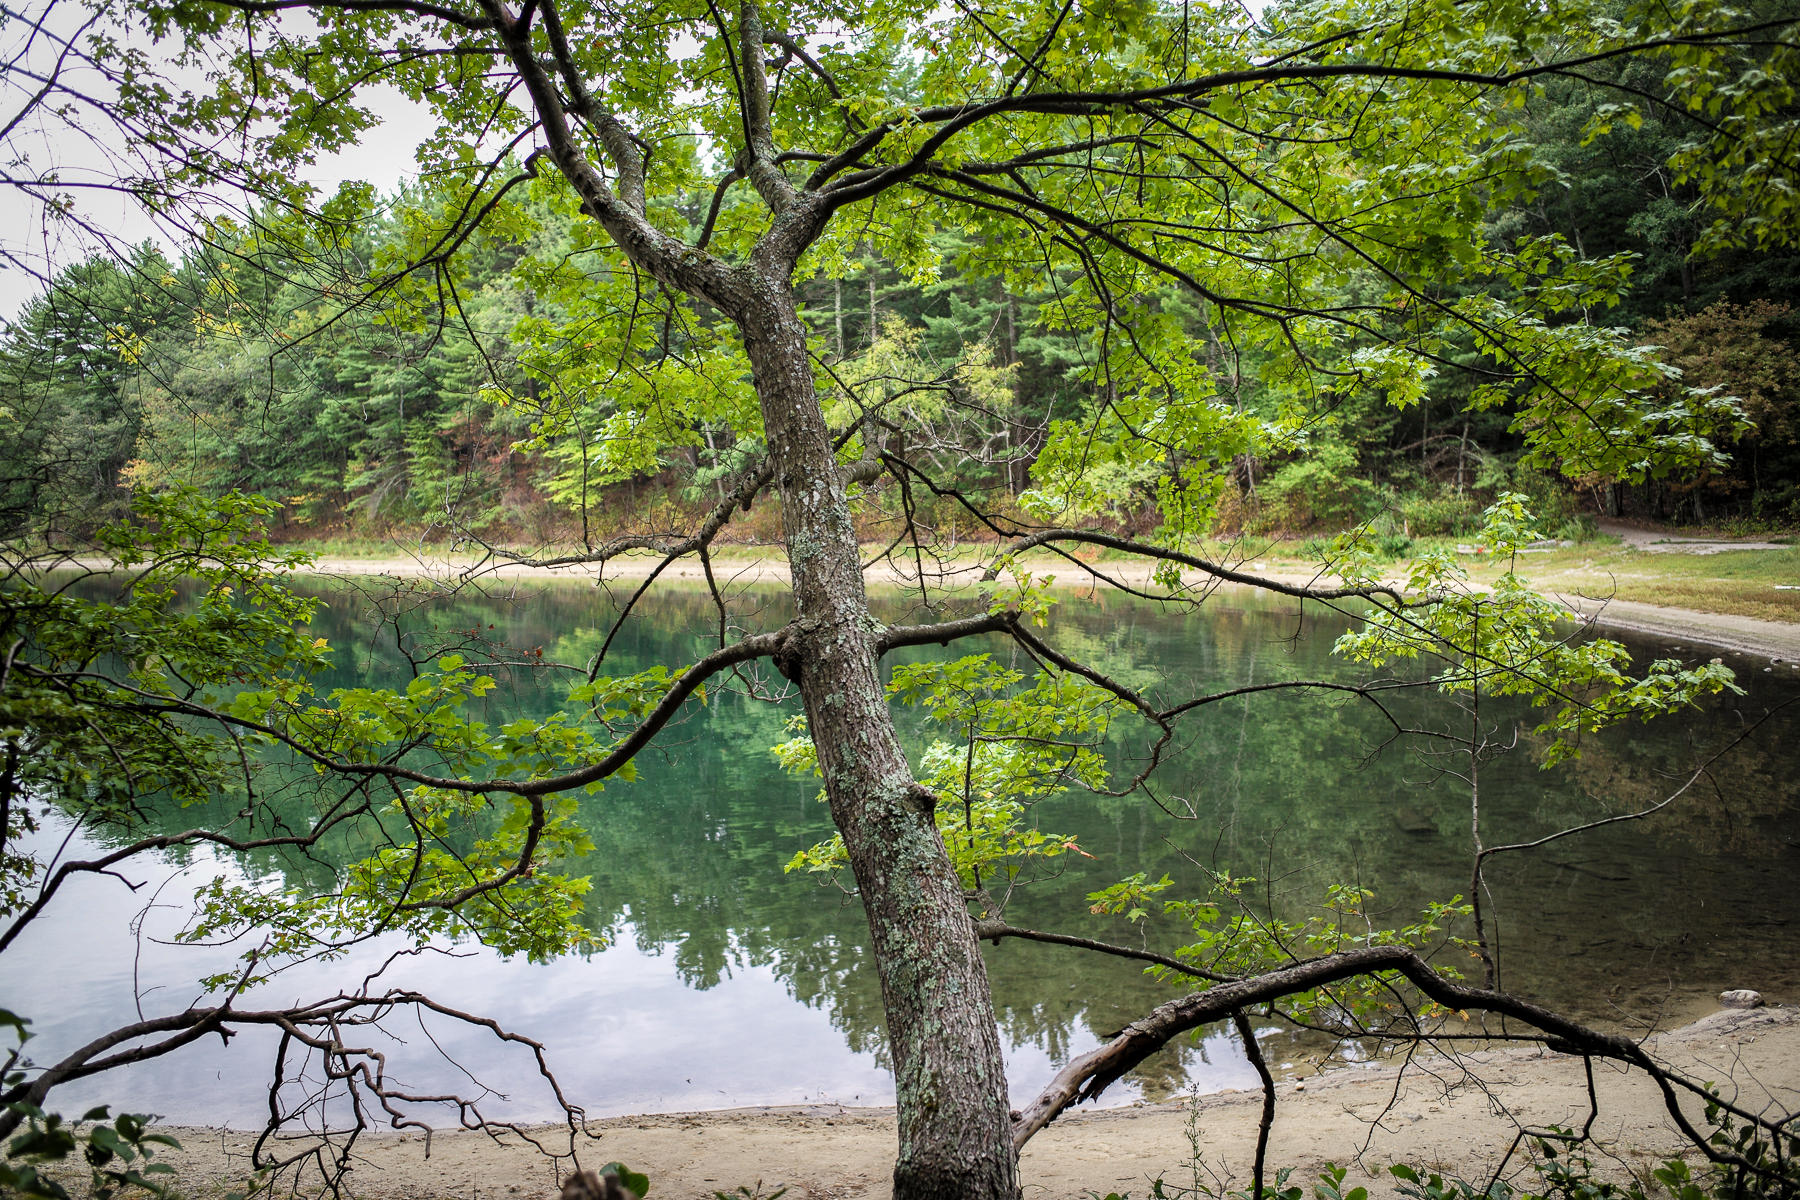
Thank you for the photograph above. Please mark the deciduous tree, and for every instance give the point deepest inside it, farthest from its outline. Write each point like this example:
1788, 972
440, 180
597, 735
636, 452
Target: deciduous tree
1199, 187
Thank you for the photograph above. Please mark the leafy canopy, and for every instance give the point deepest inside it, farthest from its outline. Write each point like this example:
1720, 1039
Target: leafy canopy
1302, 189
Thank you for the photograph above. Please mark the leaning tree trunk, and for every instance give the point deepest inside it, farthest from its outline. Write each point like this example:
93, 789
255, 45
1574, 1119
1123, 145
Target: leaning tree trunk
955, 1123
950, 1080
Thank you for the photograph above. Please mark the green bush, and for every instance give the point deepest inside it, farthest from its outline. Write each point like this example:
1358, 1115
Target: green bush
1558, 1170
117, 1150
1442, 515
1579, 529
1323, 489
117, 1154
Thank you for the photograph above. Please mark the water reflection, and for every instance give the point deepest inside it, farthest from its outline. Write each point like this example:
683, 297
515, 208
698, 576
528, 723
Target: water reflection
724, 982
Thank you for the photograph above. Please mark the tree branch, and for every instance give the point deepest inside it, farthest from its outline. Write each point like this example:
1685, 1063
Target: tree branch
995, 930
1088, 1075
758, 162
671, 261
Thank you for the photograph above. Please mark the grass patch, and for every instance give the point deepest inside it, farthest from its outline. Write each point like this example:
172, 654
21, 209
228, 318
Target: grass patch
1736, 582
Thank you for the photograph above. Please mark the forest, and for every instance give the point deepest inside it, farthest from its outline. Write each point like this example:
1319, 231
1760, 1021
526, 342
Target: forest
449, 408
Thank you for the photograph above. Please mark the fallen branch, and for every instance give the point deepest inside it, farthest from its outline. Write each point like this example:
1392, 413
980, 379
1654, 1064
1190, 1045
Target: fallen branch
1087, 1076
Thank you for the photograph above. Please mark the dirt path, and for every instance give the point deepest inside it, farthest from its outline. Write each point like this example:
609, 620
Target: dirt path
1653, 540
1452, 1116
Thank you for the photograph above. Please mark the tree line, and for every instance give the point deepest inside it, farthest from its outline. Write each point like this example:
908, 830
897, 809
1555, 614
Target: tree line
454, 401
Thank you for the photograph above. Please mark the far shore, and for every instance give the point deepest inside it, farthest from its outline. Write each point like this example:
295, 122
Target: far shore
1457, 1116
1777, 640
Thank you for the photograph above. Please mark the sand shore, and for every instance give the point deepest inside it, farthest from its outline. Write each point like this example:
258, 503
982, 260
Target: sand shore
1434, 1114
1743, 635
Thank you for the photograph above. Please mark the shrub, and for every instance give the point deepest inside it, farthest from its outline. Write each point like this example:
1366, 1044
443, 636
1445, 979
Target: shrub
1442, 515
1324, 488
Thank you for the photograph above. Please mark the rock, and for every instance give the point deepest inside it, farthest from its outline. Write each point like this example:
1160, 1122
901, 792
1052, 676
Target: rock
1412, 820
1741, 998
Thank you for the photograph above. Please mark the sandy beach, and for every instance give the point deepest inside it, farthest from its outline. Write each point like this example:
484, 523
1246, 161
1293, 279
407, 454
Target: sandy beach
1456, 1116
1743, 635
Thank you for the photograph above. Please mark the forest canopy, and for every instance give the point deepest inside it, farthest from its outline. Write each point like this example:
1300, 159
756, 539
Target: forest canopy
449, 394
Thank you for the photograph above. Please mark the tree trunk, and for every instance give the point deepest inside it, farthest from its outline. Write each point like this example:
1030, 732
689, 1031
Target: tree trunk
874, 311
950, 1081
955, 1122
837, 312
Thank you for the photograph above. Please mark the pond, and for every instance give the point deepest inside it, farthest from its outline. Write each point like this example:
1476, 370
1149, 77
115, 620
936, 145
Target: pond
719, 981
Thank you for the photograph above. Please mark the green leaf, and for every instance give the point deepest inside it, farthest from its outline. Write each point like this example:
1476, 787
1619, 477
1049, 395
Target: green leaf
631, 1179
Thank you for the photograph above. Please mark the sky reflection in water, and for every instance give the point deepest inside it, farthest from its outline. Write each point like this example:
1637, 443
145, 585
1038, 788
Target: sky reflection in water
724, 983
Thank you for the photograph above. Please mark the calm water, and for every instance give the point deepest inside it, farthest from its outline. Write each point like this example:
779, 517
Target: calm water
723, 982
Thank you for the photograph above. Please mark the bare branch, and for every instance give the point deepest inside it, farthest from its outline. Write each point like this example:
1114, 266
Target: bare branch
995, 930
1088, 1075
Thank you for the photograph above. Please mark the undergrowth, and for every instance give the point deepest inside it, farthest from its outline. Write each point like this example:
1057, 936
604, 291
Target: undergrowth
1761, 1167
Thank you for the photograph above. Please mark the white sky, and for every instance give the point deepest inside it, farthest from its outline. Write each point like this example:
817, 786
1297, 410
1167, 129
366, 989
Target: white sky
87, 149
384, 157
33, 245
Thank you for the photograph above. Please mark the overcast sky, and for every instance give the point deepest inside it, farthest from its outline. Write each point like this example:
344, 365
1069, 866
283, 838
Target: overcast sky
88, 150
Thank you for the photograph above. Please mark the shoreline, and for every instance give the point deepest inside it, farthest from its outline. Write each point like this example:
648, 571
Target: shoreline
1776, 640
1434, 1115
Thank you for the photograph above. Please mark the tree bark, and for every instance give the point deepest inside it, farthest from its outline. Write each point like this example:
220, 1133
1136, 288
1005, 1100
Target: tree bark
837, 312
950, 1080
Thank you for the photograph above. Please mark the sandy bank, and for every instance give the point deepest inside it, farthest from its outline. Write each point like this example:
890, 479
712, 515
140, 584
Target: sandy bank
1744, 635
1724, 631
1432, 1114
